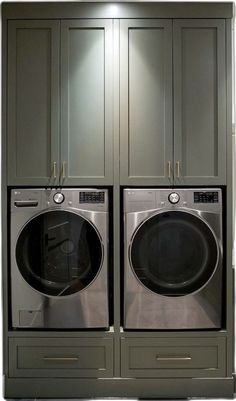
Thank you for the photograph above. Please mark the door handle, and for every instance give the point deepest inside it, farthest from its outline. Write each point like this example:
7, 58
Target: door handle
61, 358
173, 358
63, 169
177, 169
169, 169
54, 169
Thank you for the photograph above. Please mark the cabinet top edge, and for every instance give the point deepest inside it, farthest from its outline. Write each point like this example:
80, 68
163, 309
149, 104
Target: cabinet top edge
117, 10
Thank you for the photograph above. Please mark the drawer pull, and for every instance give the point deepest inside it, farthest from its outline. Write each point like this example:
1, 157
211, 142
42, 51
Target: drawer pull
173, 358
61, 358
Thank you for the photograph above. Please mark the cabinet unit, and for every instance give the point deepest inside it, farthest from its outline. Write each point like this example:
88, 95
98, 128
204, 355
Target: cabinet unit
146, 101
67, 357
60, 128
183, 357
33, 101
192, 150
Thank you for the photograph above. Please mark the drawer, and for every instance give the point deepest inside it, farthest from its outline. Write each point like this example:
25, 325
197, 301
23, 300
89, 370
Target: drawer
176, 357
57, 357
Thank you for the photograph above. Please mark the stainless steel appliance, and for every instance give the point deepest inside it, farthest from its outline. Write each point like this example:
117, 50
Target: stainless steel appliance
173, 259
59, 258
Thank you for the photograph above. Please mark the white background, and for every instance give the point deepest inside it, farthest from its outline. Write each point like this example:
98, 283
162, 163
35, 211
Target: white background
234, 162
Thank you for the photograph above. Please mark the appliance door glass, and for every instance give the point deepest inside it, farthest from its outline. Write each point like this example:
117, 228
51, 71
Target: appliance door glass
59, 253
174, 253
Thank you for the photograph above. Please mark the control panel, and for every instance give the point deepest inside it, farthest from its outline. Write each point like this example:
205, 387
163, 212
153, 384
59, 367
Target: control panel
206, 197
92, 197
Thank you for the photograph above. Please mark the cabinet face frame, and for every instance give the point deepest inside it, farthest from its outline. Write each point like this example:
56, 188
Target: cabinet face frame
126, 151
106, 159
53, 99
183, 106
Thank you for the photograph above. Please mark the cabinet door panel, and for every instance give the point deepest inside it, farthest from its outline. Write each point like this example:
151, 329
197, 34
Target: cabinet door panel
200, 101
145, 101
86, 137
33, 101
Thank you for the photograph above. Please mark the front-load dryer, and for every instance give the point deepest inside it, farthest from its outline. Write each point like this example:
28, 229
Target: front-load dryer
59, 258
173, 259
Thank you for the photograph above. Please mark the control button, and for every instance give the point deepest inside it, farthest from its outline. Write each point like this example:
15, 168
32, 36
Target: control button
58, 198
70, 203
162, 203
174, 198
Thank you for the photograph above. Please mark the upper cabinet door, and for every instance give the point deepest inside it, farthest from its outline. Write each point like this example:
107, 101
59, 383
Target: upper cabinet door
33, 102
146, 102
86, 102
199, 102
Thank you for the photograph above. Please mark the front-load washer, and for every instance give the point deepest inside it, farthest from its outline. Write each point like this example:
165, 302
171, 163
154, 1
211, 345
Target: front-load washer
173, 259
59, 258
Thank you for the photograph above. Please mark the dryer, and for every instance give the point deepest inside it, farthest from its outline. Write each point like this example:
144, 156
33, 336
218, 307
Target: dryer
173, 259
59, 258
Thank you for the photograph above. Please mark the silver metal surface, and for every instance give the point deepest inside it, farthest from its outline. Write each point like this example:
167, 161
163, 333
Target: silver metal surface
87, 308
173, 358
58, 197
144, 309
54, 169
173, 197
177, 169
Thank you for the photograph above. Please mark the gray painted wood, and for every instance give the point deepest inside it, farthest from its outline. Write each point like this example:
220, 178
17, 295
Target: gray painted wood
146, 101
183, 357
86, 113
123, 387
67, 357
230, 211
121, 10
33, 101
199, 102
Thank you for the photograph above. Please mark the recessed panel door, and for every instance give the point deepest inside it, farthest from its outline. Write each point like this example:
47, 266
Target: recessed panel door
33, 102
86, 102
199, 102
146, 102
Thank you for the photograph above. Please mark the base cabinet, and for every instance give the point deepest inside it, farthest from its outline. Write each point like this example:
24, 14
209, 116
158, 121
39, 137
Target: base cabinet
178, 357
57, 357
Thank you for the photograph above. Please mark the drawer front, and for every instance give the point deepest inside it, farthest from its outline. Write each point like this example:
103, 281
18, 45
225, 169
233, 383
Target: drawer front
56, 357
182, 357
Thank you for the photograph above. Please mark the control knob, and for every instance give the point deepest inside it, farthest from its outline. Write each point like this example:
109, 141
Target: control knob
174, 198
58, 198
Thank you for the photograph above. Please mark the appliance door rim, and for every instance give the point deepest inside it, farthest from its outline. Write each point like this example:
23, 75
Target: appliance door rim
197, 214
73, 211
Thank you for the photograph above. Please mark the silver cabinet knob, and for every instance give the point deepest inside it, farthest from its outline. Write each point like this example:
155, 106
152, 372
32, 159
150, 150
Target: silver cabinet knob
58, 198
174, 198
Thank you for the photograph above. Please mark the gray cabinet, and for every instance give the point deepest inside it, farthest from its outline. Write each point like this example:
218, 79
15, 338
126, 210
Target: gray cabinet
146, 102
199, 102
86, 102
165, 357
192, 150
33, 101
60, 126
60, 357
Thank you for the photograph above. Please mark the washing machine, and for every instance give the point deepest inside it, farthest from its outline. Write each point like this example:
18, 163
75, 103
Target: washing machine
59, 258
173, 267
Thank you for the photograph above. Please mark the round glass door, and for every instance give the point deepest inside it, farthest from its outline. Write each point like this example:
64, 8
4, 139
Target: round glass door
174, 253
59, 253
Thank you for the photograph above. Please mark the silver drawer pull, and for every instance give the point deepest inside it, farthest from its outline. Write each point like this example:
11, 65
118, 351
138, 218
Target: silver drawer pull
61, 358
173, 358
